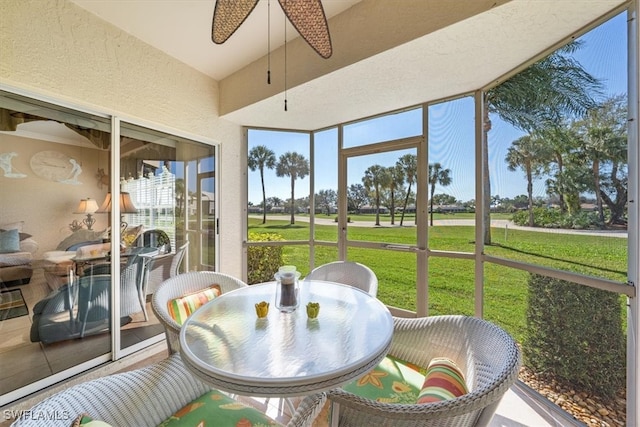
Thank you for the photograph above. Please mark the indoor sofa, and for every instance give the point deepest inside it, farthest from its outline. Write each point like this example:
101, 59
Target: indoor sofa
16, 257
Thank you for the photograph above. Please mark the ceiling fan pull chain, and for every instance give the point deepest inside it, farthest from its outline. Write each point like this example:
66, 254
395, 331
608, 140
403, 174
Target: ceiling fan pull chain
268, 42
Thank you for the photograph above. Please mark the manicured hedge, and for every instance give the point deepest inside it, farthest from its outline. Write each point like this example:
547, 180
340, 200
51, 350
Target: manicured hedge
575, 333
263, 261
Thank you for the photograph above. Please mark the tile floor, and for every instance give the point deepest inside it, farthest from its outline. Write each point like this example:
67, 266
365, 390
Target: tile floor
32, 361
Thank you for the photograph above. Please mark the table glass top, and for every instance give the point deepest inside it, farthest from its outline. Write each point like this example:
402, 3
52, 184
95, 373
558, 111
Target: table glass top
226, 339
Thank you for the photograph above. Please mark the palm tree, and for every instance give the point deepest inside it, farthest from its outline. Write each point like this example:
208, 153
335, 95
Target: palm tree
605, 143
375, 179
295, 166
395, 182
545, 92
409, 165
261, 157
560, 141
437, 175
527, 153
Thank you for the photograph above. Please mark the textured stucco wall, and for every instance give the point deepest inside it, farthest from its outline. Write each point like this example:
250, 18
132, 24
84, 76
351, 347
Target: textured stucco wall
57, 50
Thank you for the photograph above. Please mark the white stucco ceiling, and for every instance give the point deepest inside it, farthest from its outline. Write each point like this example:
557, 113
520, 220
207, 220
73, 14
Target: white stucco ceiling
456, 58
182, 29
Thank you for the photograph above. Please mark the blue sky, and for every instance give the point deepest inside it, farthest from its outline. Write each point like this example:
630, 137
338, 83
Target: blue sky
604, 55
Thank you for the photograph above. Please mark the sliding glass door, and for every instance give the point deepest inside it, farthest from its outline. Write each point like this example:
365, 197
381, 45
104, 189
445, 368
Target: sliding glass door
55, 169
89, 231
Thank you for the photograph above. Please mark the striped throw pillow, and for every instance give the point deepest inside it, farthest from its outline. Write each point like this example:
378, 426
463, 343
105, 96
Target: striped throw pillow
443, 381
181, 308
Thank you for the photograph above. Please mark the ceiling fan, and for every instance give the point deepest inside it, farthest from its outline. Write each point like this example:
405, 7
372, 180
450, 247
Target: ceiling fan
307, 16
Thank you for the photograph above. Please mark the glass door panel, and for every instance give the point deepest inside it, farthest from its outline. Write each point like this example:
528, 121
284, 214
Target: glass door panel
207, 220
55, 166
161, 192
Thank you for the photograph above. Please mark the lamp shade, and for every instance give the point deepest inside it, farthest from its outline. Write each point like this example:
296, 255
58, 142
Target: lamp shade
126, 205
87, 206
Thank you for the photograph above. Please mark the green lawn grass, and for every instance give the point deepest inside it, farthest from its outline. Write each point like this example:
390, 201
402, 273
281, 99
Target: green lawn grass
451, 281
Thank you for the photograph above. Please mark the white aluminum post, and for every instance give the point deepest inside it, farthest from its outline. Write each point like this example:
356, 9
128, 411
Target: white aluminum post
480, 207
422, 213
342, 197
116, 238
633, 318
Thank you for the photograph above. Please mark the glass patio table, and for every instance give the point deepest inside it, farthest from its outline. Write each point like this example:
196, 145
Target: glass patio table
286, 354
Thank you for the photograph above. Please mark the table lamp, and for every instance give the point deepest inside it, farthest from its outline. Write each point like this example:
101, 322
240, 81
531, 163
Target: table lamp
126, 206
87, 206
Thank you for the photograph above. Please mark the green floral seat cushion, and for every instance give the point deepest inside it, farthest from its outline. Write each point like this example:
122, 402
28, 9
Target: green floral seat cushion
85, 420
392, 381
215, 409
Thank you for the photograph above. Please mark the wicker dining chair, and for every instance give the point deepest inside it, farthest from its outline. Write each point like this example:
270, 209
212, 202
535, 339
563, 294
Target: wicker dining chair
487, 356
143, 397
349, 273
184, 284
157, 269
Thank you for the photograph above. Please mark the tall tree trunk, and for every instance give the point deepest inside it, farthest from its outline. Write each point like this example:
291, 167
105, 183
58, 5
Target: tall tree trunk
293, 202
264, 198
406, 200
596, 182
431, 206
393, 208
530, 193
377, 207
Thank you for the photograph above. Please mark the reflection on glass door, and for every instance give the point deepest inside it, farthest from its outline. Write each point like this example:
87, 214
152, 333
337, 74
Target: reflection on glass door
159, 195
206, 219
55, 166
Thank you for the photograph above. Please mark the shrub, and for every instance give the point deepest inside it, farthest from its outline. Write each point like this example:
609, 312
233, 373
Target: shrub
575, 334
263, 261
553, 218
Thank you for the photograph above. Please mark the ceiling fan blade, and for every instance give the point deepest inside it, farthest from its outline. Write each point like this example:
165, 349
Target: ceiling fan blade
228, 15
308, 17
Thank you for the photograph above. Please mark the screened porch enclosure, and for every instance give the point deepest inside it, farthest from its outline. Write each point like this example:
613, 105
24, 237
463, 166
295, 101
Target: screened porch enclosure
403, 194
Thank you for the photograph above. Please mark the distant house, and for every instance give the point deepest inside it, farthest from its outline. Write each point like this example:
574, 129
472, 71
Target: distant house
448, 209
323, 210
372, 209
411, 209
254, 209
208, 203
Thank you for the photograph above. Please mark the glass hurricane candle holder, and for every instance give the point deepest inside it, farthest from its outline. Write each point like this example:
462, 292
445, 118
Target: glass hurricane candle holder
287, 288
